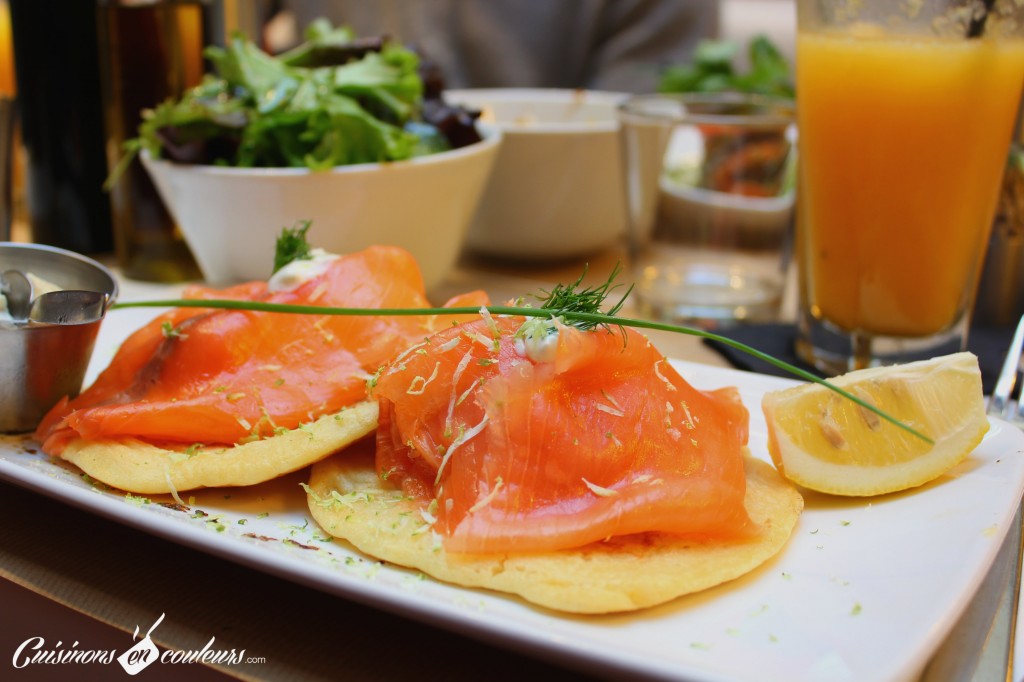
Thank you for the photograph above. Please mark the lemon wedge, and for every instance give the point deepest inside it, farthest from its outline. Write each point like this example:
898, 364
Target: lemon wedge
823, 441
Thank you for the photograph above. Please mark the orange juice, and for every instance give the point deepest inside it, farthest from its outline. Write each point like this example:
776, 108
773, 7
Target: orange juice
7, 82
903, 142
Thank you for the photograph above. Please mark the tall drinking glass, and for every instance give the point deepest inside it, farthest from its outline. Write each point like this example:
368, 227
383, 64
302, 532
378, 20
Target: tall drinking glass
905, 113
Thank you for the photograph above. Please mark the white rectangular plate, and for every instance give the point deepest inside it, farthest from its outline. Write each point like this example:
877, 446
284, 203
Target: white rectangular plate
866, 589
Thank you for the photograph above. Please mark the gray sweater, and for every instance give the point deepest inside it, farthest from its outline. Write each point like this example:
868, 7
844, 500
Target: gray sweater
617, 45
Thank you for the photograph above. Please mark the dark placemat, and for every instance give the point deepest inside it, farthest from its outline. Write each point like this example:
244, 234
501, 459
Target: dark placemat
778, 340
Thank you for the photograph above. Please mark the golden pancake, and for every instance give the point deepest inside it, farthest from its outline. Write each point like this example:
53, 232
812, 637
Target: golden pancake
141, 467
621, 574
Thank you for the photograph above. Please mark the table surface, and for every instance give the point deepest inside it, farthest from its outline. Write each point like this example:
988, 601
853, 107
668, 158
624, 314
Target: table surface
72, 577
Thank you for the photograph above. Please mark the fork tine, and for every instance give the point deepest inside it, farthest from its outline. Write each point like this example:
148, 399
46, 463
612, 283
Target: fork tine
999, 649
999, 403
1019, 416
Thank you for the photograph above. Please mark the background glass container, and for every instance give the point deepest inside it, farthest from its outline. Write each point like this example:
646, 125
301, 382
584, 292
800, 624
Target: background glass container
709, 186
61, 124
150, 51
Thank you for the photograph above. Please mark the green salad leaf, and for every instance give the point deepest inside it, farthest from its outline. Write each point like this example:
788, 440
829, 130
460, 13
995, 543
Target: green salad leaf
334, 100
712, 70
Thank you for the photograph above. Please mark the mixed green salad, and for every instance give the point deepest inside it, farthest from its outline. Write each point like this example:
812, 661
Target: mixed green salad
712, 70
336, 99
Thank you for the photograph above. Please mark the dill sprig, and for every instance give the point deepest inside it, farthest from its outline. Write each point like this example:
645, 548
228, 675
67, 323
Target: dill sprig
574, 313
564, 300
292, 245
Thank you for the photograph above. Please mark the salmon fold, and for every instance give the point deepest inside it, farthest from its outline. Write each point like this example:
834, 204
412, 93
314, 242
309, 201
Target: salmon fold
544, 437
213, 376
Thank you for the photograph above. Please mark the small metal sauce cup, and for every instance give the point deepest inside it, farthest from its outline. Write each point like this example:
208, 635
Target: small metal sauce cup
41, 362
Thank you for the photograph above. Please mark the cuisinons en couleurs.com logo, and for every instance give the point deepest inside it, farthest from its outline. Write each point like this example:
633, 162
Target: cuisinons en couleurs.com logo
142, 654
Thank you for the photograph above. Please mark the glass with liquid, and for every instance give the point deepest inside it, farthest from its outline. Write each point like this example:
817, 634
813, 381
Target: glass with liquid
709, 183
61, 116
905, 117
150, 50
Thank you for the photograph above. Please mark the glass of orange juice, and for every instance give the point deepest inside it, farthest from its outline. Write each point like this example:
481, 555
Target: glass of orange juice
905, 114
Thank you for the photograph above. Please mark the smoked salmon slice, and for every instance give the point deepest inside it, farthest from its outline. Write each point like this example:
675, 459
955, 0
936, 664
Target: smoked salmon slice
224, 376
519, 444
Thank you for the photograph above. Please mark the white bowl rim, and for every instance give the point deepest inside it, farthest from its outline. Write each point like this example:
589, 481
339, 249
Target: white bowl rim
479, 96
491, 138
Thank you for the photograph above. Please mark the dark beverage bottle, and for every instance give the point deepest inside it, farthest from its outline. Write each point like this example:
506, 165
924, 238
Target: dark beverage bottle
149, 52
58, 82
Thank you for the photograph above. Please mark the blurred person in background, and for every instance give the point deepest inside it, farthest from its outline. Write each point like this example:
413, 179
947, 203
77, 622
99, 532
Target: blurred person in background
617, 45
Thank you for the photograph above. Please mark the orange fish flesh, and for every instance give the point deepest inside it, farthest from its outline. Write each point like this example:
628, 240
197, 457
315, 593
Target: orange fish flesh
603, 438
223, 376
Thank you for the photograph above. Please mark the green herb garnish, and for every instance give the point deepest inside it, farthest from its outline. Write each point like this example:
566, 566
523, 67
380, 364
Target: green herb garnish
562, 303
171, 332
292, 245
563, 299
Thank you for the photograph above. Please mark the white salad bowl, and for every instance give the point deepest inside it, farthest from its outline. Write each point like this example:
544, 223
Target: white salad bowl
557, 187
231, 217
